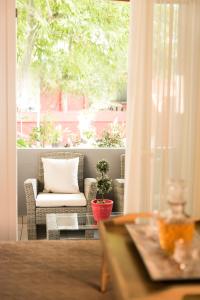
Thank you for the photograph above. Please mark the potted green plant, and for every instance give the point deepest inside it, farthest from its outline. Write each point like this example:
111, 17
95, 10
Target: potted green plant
102, 207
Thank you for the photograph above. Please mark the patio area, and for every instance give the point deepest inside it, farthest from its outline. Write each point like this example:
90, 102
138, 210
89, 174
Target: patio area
28, 167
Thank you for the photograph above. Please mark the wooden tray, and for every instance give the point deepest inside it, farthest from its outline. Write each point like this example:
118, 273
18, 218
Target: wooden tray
160, 266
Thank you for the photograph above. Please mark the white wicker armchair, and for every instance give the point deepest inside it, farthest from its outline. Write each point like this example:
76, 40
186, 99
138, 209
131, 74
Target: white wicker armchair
37, 215
118, 187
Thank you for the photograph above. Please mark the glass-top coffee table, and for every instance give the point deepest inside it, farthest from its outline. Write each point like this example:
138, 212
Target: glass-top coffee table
73, 226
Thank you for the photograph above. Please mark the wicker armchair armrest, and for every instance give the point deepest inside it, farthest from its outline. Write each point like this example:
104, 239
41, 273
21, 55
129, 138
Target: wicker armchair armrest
118, 190
90, 191
31, 191
119, 183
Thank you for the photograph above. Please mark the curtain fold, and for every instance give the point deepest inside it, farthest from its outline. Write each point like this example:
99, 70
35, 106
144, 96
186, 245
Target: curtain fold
163, 121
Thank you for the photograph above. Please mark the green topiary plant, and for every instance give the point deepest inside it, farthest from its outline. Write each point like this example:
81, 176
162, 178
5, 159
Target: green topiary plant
104, 183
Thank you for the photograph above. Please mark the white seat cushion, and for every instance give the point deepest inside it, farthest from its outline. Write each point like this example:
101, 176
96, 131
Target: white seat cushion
56, 200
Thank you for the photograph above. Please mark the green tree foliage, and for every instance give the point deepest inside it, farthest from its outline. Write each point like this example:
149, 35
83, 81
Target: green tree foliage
74, 45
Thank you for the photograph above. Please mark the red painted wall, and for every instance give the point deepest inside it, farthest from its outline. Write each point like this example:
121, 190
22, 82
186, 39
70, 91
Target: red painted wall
56, 101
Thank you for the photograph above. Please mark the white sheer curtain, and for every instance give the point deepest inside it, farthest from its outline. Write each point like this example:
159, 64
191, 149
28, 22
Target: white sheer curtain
163, 123
8, 165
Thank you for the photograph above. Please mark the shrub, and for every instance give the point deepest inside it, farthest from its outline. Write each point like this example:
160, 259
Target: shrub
22, 143
112, 137
46, 134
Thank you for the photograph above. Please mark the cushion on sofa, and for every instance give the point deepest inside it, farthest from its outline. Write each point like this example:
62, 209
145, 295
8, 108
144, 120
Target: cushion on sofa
57, 200
61, 175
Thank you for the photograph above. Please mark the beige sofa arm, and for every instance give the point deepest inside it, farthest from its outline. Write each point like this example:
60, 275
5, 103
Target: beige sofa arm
90, 191
118, 191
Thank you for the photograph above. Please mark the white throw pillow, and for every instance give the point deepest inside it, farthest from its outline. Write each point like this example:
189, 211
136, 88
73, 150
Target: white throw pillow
61, 175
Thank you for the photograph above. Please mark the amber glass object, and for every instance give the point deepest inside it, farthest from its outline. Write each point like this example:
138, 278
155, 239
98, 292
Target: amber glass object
175, 225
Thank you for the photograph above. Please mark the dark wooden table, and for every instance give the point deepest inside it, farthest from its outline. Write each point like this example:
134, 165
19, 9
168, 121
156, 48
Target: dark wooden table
122, 263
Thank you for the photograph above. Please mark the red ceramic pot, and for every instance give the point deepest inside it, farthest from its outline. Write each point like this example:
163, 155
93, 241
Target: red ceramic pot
101, 211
